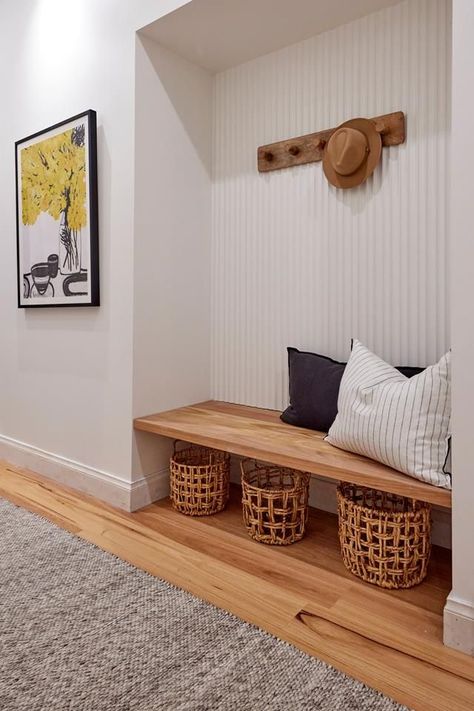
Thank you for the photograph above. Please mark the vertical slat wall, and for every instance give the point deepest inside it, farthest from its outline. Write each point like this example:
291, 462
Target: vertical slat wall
297, 262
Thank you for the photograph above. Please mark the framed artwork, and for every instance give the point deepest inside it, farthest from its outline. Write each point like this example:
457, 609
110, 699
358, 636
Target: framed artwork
57, 215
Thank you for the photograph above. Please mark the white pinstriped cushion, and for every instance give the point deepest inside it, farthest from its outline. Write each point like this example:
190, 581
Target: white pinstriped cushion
402, 422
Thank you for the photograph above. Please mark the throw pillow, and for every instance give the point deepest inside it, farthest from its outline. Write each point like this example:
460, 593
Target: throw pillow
314, 389
404, 423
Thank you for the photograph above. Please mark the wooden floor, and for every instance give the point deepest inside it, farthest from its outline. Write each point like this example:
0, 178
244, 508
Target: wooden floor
391, 640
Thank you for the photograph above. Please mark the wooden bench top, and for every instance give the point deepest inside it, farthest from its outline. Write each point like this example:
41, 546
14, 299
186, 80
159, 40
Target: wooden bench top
257, 433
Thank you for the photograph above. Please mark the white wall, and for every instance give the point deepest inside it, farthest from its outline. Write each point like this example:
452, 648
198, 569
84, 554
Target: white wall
66, 374
459, 612
296, 262
171, 364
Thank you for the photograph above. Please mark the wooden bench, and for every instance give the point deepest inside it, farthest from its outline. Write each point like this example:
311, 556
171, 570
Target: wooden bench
257, 433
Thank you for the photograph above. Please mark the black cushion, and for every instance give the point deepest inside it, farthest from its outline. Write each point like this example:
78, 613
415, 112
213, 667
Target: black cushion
314, 389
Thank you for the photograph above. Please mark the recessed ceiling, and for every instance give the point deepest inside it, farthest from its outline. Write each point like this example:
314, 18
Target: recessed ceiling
218, 34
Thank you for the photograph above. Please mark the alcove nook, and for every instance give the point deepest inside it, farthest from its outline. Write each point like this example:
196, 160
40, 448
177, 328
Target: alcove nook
231, 266
209, 269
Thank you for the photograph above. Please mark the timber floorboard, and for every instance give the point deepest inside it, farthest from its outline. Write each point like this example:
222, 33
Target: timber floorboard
391, 640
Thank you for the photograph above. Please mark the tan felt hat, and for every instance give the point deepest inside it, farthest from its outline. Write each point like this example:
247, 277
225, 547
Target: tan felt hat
352, 153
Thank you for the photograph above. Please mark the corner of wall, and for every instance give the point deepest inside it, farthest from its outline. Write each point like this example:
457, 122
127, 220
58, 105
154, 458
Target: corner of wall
172, 225
459, 624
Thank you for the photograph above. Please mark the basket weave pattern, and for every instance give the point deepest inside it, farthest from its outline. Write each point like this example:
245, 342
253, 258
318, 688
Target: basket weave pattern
385, 539
199, 480
274, 503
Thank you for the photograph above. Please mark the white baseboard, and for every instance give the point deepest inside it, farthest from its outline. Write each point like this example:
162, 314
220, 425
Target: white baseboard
103, 485
459, 624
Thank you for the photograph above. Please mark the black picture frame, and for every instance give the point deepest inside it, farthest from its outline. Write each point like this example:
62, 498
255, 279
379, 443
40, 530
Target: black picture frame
58, 280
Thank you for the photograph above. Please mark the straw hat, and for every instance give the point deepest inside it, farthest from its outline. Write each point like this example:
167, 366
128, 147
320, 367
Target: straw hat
352, 153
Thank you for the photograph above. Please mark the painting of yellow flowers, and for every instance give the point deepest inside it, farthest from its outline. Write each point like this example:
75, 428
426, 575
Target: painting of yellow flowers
57, 215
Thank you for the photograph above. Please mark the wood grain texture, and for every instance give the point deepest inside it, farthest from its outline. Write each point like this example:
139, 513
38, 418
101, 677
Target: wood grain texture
310, 148
253, 432
391, 640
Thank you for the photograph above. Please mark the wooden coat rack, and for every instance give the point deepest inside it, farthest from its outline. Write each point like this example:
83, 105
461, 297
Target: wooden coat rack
310, 148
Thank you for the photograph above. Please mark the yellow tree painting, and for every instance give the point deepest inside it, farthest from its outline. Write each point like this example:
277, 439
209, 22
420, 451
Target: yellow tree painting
57, 215
53, 180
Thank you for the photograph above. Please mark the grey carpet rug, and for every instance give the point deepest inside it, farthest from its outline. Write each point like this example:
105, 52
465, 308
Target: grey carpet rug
82, 630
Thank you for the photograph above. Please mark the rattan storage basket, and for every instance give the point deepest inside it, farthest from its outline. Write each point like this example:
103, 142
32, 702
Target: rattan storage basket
199, 479
385, 539
274, 502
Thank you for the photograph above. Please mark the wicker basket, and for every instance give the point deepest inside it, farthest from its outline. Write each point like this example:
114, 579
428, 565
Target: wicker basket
275, 502
385, 539
199, 479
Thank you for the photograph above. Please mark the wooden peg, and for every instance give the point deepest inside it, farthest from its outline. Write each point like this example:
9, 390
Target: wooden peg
310, 148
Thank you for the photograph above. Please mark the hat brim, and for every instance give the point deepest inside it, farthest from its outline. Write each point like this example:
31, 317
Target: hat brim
374, 140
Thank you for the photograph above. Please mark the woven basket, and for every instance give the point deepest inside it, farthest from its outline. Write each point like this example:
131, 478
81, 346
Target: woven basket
275, 502
385, 539
199, 479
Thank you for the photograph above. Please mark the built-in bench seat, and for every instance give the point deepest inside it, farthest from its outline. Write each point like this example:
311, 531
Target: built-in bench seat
258, 433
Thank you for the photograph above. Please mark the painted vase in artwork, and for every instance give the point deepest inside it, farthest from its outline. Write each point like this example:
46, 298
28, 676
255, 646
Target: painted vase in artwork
69, 247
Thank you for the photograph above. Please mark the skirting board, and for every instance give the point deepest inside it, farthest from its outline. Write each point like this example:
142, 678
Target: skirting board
103, 485
149, 488
459, 624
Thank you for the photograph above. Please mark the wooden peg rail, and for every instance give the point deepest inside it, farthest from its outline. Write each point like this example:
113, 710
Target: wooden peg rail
310, 148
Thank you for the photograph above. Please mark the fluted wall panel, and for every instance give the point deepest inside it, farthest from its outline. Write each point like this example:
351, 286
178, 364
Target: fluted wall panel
297, 262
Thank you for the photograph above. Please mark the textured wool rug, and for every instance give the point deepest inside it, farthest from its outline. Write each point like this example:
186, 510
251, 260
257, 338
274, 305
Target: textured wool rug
82, 630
